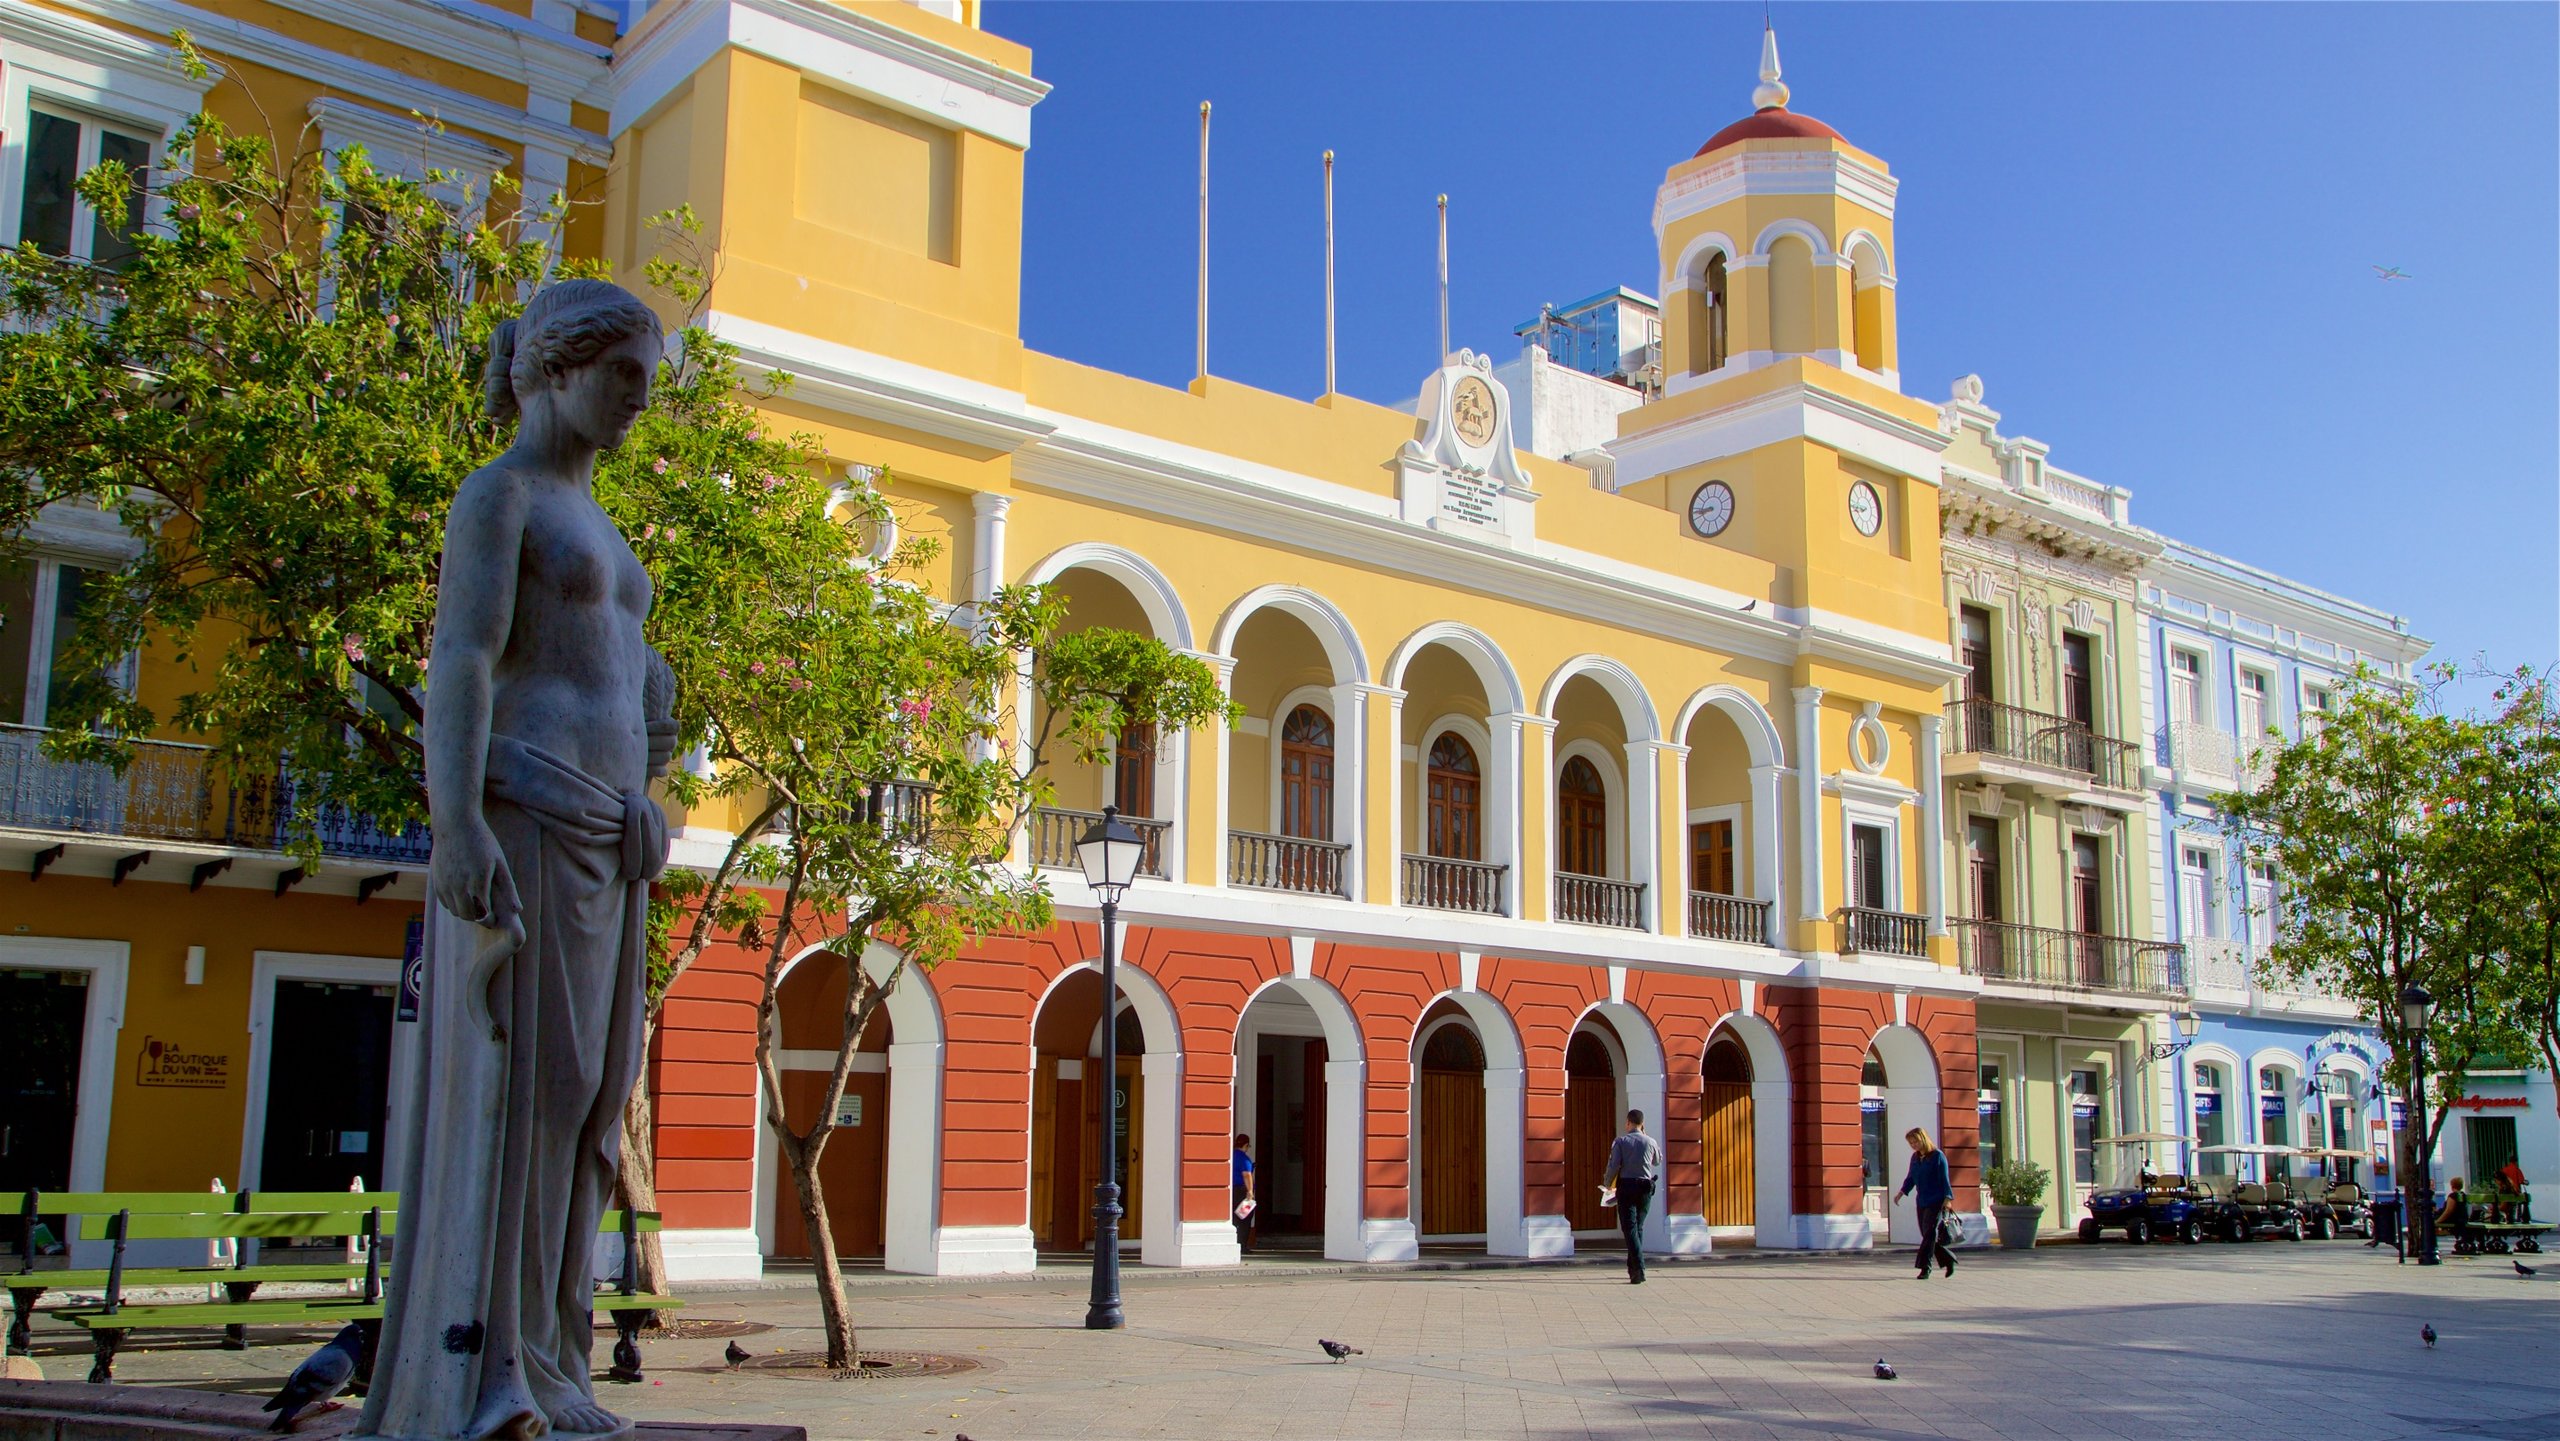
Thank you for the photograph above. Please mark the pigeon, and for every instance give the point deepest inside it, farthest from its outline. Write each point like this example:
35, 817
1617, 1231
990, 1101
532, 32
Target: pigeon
1339, 1352
2521, 1268
1883, 1371
2427, 1333
738, 1355
323, 1375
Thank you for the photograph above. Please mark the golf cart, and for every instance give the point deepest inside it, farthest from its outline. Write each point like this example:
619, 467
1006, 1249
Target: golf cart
2240, 1207
2334, 1202
2135, 1198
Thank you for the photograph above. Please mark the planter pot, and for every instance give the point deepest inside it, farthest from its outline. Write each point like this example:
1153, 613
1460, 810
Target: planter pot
2017, 1225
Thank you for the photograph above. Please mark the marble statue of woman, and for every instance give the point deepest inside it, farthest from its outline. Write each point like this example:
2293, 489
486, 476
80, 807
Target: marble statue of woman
546, 718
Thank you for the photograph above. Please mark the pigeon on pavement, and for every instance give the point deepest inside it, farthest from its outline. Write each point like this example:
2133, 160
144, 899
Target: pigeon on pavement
738, 1355
2427, 1333
1339, 1352
2521, 1268
323, 1375
1883, 1371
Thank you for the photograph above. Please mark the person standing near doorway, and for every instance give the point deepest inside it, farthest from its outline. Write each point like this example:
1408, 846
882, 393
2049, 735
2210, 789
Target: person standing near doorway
1928, 1174
1635, 1168
1240, 1187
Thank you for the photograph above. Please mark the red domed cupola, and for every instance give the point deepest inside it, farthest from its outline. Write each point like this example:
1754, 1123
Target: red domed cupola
1772, 120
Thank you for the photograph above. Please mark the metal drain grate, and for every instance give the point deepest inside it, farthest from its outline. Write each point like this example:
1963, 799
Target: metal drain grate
870, 1365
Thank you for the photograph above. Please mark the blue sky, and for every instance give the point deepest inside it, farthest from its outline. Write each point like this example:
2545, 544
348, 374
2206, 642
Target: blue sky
2149, 228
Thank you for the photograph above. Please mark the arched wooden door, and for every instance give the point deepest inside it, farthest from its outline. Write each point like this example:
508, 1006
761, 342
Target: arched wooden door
1451, 1111
853, 1171
1727, 1131
1590, 1125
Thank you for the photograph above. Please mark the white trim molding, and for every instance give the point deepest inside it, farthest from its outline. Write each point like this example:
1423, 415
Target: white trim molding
265, 969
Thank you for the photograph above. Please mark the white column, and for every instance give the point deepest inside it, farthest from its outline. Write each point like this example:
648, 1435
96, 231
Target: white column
914, 1157
1505, 1177
986, 543
1646, 1093
1351, 782
1809, 801
1163, 1239
1504, 787
1644, 833
1766, 881
1346, 1159
1933, 806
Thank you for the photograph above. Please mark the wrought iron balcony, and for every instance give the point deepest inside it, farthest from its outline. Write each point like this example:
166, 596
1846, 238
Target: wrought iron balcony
1055, 831
1599, 901
1444, 883
1728, 918
2050, 742
1286, 863
173, 792
2210, 756
2071, 960
1868, 931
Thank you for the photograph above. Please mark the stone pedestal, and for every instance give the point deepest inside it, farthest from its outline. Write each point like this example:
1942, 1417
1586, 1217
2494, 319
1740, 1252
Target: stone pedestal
64, 1410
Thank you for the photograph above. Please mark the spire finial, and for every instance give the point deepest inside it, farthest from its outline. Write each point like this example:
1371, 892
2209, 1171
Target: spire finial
1771, 92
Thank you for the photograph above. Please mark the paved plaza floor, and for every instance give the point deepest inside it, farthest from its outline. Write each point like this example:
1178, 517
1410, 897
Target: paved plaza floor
2251, 1343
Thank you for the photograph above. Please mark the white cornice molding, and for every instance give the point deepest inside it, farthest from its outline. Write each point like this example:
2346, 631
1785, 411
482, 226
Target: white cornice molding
2120, 547
896, 67
1776, 172
877, 387
2242, 588
399, 145
483, 37
1791, 412
225, 35
125, 63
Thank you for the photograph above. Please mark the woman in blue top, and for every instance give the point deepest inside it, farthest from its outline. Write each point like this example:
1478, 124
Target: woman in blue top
1240, 1177
1928, 1174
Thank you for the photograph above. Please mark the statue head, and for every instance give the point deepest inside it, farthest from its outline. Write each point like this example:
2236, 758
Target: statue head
583, 352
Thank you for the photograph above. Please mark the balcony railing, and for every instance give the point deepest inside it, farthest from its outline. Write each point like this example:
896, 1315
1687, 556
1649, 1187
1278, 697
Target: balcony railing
1728, 918
1599, 901
1986, 727
2071, 960
1286, 863
1869, 931
2212, 756
1055, 831
1443, 883
175, 792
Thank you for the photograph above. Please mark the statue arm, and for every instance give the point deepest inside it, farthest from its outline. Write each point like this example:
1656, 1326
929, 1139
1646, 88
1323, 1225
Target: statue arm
475, 611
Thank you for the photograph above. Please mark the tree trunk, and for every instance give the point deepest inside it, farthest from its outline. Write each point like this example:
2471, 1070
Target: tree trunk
822, 1255
639, 1178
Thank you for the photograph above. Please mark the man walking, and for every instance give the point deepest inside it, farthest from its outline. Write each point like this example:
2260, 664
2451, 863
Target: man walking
1635, 1168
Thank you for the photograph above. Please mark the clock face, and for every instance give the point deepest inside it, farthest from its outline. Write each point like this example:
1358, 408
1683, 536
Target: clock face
1471, 411
1866, 509
1711, 509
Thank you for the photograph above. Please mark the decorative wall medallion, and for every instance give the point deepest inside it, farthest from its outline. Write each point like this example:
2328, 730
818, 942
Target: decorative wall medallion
1870, 744
1866, 508
1711, 509
1471, 411
2084, 616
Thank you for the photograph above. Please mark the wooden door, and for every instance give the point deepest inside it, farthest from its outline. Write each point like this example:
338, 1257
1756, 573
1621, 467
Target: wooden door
1711, 858
1452, 1113
1590, 1114
1731, 1175
1306, 775
1133, 1169
1582, 820
852, 1171
1451, 796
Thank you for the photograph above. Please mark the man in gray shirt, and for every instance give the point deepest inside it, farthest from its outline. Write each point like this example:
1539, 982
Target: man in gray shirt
1635, 1168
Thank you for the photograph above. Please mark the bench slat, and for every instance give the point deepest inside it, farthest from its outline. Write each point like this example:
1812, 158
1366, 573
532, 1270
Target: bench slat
141, 1203
226, 1313
180, 1276
280, 1225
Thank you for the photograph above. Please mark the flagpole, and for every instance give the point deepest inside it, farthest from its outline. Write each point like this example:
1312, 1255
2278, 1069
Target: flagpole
1444, 279
1328, 272
1202, 359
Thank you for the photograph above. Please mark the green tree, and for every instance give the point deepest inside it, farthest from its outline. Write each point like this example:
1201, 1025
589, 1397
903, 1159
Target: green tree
2376, 891
2510, 821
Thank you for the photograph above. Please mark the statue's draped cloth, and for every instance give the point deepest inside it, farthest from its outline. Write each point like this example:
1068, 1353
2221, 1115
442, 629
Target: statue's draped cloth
528, 1047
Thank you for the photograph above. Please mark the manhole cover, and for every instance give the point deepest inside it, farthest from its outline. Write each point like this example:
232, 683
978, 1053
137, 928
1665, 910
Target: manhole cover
701, 1329
870, 1366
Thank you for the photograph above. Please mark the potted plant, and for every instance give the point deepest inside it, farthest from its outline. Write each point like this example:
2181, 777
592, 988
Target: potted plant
2017, 1201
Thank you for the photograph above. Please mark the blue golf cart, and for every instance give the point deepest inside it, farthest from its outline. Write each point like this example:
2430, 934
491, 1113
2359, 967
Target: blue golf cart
2136, 1198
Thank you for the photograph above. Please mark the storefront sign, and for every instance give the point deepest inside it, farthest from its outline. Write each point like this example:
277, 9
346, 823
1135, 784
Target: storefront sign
2084, 1107
2208, 1103
2488, 1103
2342, 1043
165, 1063
2399, 1116
1986, 1104
413, 971
2271, 1108
1870, 1106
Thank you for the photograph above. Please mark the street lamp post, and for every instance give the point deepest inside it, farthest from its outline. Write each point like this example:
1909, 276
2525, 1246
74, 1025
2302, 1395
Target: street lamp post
1108, 855
2188, 1023
2416, 1006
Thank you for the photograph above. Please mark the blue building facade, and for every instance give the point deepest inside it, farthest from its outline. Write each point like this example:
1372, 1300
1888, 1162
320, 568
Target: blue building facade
2238, 658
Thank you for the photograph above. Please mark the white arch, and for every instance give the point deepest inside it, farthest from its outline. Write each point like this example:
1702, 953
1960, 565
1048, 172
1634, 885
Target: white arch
1772, 1127
1863, 239
1689, 270
1332, 630
1155, 594
1502, 689
911, 1233
1345, 1120
1636, 1049
2276, 1058
1507, 1228
1910, 1101
1760, 734
1804, 230
1161, 1239
1635, 708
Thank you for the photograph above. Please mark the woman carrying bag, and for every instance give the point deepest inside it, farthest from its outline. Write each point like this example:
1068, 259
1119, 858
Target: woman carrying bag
1928, 1173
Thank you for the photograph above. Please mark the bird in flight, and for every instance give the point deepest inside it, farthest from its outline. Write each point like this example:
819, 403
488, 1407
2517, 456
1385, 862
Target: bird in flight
2391, 272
